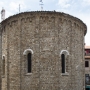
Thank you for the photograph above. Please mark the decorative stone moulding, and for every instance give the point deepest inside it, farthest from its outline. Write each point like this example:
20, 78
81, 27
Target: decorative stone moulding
27, 50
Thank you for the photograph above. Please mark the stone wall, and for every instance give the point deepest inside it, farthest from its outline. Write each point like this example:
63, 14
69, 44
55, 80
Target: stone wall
47, 34
0, 56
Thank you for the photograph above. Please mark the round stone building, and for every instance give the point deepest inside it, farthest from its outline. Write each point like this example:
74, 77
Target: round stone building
42, 50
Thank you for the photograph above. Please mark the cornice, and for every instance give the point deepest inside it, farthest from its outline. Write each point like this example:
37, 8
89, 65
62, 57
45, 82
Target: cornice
43, 13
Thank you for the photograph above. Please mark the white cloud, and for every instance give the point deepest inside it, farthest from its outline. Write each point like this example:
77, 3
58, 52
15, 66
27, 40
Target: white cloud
1, 3
86, 2
64, 3
14, 6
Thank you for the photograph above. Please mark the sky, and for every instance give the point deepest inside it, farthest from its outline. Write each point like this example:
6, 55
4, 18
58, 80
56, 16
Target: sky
77, 8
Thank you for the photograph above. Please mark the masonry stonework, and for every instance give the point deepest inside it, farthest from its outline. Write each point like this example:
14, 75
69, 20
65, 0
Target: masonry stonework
46, 33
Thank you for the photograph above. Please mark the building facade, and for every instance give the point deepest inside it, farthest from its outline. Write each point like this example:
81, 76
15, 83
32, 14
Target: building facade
42, 50
87, 67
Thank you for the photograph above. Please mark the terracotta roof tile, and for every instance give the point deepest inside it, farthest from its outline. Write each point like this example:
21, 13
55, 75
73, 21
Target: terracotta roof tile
87, 47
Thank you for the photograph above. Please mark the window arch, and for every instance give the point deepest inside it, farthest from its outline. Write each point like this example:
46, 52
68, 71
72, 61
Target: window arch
64, 61
28, 53
27, 50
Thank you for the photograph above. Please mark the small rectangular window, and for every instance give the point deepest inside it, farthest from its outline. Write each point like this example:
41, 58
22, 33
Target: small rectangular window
86, 63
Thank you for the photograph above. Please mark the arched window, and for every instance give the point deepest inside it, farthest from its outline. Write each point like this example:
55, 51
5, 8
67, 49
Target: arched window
28, 55
64, 61
29, 61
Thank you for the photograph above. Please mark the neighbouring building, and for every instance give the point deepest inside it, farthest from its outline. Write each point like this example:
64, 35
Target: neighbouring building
87, 67
42, 50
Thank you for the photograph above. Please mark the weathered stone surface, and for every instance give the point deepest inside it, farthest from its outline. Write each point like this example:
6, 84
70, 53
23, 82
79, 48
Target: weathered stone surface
47, 34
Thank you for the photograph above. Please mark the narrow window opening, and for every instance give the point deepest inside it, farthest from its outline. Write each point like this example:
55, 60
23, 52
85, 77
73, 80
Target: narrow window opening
29, 62
86, 63
63, 63
3, 65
